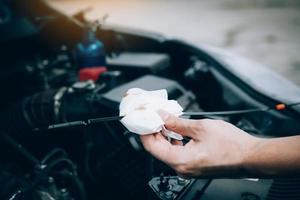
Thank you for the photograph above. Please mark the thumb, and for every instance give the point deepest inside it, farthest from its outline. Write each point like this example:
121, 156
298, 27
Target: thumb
185, 127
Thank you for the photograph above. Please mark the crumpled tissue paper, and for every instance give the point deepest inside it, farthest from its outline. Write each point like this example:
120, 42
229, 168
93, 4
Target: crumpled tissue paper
139, 111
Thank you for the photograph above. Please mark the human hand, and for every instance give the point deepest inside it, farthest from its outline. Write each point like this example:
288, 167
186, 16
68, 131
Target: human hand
216, 148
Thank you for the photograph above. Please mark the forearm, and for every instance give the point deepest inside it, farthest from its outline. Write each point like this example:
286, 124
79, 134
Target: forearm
274, 157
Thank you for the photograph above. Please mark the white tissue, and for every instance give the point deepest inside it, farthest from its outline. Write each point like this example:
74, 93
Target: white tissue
139, 111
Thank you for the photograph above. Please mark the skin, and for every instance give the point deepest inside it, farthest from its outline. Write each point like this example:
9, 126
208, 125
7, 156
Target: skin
219, 149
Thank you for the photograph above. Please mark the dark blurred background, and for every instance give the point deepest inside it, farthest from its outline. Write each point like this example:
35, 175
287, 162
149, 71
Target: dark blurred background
266, 31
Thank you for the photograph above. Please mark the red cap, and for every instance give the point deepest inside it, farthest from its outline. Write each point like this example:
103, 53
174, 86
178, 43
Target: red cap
91, 73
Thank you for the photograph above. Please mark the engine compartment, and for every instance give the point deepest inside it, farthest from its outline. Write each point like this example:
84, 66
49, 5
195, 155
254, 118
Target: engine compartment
43, 85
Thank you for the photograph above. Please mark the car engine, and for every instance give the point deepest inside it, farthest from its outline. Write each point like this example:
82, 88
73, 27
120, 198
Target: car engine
65, 71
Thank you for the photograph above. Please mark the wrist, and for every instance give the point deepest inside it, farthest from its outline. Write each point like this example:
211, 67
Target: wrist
251, 154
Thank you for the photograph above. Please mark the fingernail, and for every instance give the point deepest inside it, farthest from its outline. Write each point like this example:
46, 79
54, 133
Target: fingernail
163, 114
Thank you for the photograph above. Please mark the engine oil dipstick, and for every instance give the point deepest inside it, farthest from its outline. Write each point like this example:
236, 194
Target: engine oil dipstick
79, 123
278, 107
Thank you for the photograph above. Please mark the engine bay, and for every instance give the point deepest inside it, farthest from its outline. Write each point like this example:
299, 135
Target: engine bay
52, 73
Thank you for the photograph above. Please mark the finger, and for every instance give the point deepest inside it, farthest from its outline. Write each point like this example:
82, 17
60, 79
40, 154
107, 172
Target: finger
176, 142
160, 148
184, 127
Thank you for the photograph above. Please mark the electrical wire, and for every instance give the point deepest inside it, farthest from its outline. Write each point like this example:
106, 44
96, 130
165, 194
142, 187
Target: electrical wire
60, 161
55, 153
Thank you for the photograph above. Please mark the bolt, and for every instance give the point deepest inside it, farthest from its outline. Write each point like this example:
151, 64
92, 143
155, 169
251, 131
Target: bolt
249, 196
